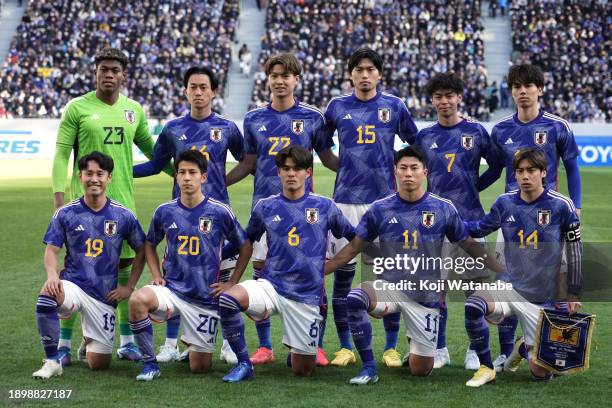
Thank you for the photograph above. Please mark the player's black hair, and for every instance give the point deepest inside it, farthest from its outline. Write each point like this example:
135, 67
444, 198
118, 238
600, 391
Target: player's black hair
525, 74
104, 161
364, 53
214, 82
288, 61
532, 154
109, 53
191, 156
300, 155
445, 81
410, 151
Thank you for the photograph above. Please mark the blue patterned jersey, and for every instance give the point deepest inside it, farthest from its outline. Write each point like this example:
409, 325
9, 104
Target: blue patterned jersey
366, 135
534, 234
93, 243
415, 229
453, 162
547, 132
267, 131
296, 233
212, 136
194, 239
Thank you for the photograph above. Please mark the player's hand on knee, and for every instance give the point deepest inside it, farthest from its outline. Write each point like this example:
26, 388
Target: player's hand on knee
220, 287
158, 281
118, 294
53, 286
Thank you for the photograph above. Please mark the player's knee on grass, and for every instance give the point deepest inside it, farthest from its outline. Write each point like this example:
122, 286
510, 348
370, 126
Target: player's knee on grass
420, 366
302, 365
199, 362
98, 354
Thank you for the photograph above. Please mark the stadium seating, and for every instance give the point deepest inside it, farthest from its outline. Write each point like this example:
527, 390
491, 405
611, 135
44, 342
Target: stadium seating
50, 61
415, 38
571, 42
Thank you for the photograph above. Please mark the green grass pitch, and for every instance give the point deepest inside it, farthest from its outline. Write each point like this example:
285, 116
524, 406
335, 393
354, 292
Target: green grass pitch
26, 209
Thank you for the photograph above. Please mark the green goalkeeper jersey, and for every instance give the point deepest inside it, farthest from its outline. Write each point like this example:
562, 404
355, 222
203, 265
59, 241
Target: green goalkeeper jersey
87, 125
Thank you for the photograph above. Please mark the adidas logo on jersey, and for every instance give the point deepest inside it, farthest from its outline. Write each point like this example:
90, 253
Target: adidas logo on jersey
393, 220
434, 146
347, 116
173, 226
508, 141
95, 116
80, 228
183, 137
276, 218
262, 128
510, 219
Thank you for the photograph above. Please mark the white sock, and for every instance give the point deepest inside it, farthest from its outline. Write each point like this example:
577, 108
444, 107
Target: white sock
124, 340
171, 342
64, 343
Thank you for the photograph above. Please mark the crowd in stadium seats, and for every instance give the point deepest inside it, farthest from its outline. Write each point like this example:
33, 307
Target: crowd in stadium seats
415, 38
571, 41
50, 61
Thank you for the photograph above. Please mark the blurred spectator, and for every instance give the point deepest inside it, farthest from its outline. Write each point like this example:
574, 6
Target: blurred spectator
504, 92
50, 58
245, 57
571, 42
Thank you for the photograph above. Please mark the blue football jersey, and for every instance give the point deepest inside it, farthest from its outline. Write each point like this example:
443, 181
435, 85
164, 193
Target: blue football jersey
194, 239
213, 137
93, 243
416, 230
366, 135
547, 132
267, 131
453, 161
296, 234
534, 234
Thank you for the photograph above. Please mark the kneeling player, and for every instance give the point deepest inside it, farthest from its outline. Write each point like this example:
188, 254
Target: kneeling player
93, 229
296, 224
537, 223
410, 223
195, 228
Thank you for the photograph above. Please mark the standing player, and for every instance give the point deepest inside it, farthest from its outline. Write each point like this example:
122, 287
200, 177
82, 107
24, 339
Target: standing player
195, 227
367, 121
283, 122
107, 121
532, 127
537, 223
410, 223
453, 148
212, 135
93, 228
291, 284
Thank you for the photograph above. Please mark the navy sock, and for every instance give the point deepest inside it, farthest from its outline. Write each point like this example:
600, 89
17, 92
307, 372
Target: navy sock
523, 351
477, 329
391, 323
172, 327
48, 325
263, 333
343, 279
358, 303
143, 334
233, 326
507, 330
442, 326
323, 313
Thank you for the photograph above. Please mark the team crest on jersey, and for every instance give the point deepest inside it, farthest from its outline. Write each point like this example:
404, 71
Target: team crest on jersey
312, 215
384, 115
205, 225
297, 126
130, 116
543, 217
216, 135
110, 228
467, 142
428, 219
540, 137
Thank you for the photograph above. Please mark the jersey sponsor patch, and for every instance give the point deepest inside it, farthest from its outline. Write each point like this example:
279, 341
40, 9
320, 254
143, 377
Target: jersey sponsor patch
312, 215
205, 225
540, 137
297, 126
216, 135
110, 228
384, 115
467, 141
428, 219
130, 116
543, 217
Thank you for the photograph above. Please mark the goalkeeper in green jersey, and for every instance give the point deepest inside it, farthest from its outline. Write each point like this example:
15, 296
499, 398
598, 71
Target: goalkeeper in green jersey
109, 122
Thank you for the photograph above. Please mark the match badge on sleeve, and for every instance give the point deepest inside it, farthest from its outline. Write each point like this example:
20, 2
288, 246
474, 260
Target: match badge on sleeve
428, 219
297, 126
540, 137
467, 141
312, 215
110, 228
130, 116
384, 115
216, 135
205, 225
543, 217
